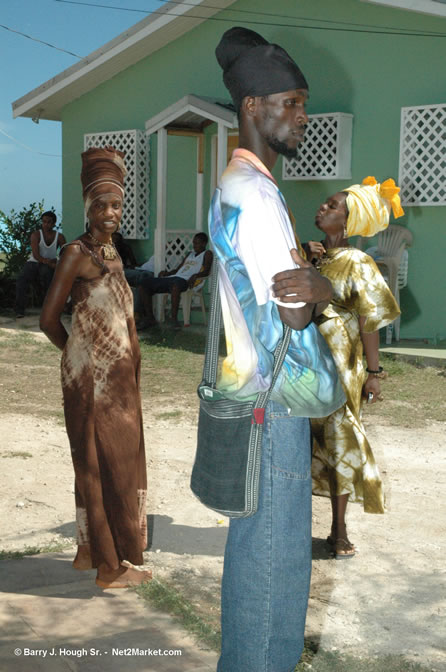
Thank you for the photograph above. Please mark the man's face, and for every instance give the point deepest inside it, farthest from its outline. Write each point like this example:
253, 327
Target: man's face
48, 223
198, 244
281, 120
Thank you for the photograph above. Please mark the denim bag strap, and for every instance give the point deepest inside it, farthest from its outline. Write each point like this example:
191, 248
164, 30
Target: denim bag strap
209, 381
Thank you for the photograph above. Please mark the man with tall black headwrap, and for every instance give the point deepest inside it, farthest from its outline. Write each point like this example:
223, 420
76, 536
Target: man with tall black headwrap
263, 284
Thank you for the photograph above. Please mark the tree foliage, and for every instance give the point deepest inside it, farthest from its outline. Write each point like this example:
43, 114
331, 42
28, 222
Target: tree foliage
15, 234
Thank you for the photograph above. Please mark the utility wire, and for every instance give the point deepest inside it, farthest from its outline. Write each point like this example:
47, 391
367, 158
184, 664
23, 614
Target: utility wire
34, 39
302, 18
258, 23
30, 149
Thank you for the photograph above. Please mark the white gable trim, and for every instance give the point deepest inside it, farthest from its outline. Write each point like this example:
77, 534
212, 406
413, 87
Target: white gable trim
433, 7
199, 106
136, 43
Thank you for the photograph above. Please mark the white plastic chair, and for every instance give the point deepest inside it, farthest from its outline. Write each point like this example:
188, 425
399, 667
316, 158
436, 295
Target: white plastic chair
186, 303
392, 259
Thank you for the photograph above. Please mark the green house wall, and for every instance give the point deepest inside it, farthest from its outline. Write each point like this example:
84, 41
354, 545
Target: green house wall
369, 75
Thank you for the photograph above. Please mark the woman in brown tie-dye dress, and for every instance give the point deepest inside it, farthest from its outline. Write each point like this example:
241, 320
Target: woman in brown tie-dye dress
100, 382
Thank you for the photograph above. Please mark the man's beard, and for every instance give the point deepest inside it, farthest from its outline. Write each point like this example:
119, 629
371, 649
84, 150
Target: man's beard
282, 148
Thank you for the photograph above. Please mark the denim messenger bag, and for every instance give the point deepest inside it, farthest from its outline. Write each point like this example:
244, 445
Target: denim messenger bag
225, 475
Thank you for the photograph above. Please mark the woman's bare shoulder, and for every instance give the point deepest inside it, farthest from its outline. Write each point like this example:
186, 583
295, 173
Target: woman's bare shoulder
75, 248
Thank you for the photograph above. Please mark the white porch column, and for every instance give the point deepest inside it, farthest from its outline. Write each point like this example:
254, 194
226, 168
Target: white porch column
161, 208
200, 182
161, 200
222, 150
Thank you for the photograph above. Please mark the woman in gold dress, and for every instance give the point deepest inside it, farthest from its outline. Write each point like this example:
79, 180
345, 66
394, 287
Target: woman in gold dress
343, 466
100, 382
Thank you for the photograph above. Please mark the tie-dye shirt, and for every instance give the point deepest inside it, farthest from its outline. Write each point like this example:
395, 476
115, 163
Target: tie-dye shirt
252, 238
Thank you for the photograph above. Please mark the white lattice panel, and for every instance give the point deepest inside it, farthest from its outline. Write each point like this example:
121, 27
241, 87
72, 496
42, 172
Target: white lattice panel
178, 244
422, 174
325, 153
133, 143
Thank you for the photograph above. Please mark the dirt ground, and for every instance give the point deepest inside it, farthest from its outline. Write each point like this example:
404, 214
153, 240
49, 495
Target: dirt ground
390, 598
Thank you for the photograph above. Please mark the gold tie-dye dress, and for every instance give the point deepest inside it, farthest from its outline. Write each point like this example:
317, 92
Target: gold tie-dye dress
100, 381
341, 452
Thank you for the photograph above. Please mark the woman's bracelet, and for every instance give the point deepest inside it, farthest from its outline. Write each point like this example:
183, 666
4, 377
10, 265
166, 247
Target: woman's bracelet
380, 370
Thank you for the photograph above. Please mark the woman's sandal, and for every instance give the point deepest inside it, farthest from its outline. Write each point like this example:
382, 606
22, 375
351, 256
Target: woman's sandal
344, 549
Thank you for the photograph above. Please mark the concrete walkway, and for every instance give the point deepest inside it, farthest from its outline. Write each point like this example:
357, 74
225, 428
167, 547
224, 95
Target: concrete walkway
55, 619
424, 353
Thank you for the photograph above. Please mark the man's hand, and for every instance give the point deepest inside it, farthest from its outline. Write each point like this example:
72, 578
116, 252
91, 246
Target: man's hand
301, 284
192, 279
163, 274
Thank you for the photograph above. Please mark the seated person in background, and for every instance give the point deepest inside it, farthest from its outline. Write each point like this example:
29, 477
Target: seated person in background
124, 250
134, 277
147, 270
42, 261
137, 273
195, 266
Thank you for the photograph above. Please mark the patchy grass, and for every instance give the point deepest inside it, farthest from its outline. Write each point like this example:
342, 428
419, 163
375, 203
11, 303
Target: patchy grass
172, 368
55, 547
413, 395
23, 454
30, 375
172, 365
318, 660
185, 340
168, 599
169, 415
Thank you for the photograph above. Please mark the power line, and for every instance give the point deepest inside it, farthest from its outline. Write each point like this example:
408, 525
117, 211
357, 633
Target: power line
302, 18
34, 39
30, 149
258, 23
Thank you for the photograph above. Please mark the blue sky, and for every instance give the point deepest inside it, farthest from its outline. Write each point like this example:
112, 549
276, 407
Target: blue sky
27, 176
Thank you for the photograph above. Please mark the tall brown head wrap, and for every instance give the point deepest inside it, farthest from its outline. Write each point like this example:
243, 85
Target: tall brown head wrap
102, 166
254, 67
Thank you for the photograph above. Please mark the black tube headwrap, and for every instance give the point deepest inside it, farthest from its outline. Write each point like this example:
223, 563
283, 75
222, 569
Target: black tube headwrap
254, 67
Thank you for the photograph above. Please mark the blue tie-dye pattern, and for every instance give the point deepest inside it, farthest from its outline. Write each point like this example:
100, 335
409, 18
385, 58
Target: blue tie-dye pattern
308, 383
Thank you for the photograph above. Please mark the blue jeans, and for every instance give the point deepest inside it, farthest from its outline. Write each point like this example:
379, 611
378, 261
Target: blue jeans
267, 567
133, 277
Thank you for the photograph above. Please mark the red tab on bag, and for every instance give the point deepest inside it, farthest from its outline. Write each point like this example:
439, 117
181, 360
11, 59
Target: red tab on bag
259, 416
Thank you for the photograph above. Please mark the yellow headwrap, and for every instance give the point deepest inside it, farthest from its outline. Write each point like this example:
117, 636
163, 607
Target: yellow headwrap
369, 206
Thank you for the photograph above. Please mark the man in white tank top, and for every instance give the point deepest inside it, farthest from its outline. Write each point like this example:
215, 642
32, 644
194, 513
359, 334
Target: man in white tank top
193, 268
42, 261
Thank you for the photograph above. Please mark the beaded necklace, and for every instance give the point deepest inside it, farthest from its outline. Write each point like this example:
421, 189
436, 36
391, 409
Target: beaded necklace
110, 251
